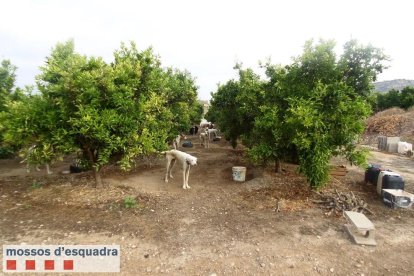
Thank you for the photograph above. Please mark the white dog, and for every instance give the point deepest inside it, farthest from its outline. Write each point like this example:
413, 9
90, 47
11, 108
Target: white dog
185, 159
204, 138
212, 131
176, 141
32, 160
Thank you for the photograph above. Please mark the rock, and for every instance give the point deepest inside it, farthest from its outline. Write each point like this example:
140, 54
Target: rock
331, 270
148, 269
262, 264
146, 255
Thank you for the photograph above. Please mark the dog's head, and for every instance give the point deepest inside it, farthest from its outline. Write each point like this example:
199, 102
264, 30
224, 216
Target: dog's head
191, 161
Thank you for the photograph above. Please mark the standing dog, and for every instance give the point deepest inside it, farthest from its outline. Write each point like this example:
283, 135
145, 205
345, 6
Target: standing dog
31, 157
176, 141
204, 138
185, 159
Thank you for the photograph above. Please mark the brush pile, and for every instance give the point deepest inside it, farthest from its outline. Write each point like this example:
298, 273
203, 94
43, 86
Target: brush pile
390, 125
337, 202
392, 122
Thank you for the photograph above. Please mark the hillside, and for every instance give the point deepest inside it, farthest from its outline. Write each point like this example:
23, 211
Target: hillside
385, 86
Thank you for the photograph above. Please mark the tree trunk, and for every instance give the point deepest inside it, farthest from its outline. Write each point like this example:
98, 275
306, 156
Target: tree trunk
98, 179
96, 173
278, 166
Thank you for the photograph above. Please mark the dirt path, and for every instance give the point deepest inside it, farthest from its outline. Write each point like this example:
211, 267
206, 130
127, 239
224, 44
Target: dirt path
217, 227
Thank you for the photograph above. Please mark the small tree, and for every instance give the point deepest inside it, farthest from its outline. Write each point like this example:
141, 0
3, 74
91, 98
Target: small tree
234, 105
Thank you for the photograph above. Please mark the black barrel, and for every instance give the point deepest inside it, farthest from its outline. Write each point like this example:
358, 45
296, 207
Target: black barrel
187, 144
371, 173
395, 182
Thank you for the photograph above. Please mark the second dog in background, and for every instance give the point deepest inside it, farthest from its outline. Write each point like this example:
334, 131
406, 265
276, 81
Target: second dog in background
176, 141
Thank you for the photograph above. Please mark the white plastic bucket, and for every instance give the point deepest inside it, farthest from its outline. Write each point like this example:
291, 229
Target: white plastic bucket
239, 173
403, 147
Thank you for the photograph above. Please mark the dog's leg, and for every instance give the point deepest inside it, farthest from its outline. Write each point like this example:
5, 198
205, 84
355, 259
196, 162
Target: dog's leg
168, 169
171, 166
187, 176
185, 165
48, 169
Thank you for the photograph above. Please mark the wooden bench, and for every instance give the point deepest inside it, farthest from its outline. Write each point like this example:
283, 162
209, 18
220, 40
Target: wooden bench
361, 229
338, 172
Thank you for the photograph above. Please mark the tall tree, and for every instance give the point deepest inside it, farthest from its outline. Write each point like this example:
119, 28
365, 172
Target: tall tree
126, 108
7, 82
360, 65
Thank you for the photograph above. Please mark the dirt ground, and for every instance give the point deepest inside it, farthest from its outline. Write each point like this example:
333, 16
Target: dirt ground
266, 225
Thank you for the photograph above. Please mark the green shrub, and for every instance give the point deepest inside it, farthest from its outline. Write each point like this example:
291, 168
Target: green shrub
130, 202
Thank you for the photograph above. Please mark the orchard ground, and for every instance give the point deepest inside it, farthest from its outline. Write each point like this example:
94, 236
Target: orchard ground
266, 225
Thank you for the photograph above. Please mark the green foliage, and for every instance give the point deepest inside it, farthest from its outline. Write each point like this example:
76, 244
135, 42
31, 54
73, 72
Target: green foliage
35, 185
395, 98
127, 108
6, 152
130, 202
234, 105
359, 66
7, 80
305, 112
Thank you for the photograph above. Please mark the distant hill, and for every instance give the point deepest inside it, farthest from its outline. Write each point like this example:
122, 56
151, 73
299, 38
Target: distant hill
385, 86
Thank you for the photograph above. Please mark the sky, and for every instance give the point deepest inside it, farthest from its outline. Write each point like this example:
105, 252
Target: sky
207, 38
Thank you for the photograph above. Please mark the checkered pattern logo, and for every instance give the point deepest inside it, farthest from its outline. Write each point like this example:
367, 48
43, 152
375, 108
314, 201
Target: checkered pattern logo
61, 258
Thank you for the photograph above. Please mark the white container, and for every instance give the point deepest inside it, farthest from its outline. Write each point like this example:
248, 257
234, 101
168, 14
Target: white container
403, 147
398, 198
239, 173
380, 176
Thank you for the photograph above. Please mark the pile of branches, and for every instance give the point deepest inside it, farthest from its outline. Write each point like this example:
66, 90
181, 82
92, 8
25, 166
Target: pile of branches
390, 125
337, 202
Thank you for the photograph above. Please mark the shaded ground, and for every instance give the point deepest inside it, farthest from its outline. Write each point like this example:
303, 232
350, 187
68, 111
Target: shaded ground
218, 226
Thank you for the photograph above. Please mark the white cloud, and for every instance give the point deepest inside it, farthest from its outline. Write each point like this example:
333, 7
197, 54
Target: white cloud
204, 37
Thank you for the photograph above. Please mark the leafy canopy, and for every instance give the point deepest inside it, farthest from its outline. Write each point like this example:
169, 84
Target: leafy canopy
123, 109
304, 112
